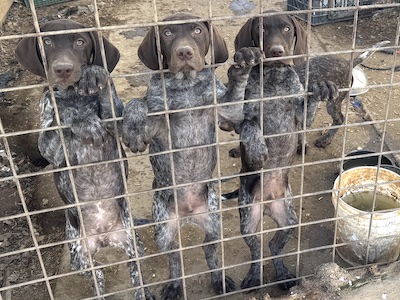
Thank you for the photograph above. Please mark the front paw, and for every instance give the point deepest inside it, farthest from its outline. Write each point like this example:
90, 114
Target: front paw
90, 131
246, 58
324, 91
93, 80
172, 290
255, 154
134, 126
253, 148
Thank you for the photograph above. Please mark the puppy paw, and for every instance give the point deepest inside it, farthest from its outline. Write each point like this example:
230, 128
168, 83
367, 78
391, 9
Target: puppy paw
234, 152
93, 80
248, 57
287, 284
245, 59
147, 295
134, 126
253, 147
324, 91
322, 142
251, 280
172, 290
229, 285
90, 130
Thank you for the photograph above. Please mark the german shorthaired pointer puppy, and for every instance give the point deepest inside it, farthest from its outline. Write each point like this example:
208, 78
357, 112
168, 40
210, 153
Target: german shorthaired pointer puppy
274, 147
189, 85
284, 36
75, 70
283, 117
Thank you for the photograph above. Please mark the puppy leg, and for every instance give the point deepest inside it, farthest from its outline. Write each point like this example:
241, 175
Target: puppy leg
250, 217
281, 211
79, 251
165, 238
124, 240
79, 261
212, 227
334, 108
322, 91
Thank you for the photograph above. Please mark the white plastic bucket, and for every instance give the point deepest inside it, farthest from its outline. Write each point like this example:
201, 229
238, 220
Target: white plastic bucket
353, 228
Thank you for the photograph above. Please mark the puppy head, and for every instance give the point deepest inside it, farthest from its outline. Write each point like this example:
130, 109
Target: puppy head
282, 36
183, 46
65, 53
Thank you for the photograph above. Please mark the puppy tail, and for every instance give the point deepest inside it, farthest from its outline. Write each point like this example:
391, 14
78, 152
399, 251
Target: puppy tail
363, 56
230, 195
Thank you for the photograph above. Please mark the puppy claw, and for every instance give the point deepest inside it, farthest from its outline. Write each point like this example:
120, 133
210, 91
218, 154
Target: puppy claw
229, 286
250, 281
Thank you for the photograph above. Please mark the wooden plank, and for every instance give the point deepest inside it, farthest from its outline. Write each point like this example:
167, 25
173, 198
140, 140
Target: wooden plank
4, 7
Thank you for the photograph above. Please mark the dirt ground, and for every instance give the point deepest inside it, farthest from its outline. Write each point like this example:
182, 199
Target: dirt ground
19, 112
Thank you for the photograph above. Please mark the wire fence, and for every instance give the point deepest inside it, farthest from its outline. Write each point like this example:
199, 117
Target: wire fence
35, 259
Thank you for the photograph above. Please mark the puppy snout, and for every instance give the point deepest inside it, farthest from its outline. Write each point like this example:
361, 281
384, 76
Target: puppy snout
277, 51
185, 53
63, 69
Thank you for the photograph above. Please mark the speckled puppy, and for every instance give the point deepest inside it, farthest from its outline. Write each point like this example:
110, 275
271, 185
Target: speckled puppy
188, 85
75, 70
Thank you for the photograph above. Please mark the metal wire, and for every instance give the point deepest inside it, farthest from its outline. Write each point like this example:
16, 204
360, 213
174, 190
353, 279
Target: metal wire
219, 179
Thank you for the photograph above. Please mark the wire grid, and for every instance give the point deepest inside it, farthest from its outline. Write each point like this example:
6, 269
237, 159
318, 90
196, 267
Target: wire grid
219, 178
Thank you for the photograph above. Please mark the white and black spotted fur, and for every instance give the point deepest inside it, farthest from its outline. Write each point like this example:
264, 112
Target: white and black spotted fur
188, 85
83, 102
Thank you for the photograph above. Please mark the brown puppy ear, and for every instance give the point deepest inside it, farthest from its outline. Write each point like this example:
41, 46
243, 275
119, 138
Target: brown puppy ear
147, 50
112, 53
244, 38
301, 40
221, 53
28, 55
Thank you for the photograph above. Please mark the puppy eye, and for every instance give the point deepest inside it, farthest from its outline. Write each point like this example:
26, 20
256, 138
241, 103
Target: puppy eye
80, 42
167, 32
197, 30
286, 29
47, 41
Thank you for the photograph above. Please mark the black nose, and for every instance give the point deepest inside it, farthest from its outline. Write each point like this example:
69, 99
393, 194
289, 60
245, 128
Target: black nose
63, 69
277, 51
185, 53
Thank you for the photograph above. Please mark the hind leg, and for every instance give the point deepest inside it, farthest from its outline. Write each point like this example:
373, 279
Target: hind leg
165, 238
281, 211
79, 251
124, 240
211, 225
250, 217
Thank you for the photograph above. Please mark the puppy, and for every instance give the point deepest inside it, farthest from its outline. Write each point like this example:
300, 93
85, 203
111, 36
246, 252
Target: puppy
188, 125
82, 95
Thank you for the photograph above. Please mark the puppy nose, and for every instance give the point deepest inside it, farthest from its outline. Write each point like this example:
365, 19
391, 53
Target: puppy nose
64, 69
185, 53
277, 51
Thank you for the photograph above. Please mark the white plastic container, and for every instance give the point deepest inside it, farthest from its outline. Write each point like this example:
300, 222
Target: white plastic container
353, 228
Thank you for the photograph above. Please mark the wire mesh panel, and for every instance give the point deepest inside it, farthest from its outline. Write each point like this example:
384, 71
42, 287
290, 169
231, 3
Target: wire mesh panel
160, 213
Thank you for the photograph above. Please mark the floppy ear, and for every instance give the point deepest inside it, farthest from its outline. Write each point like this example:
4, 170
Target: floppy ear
28, 56
147, 50
112, 53
301, 40
244, 38
221, 53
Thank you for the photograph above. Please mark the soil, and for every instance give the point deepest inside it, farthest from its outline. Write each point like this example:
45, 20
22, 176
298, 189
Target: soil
311, 184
